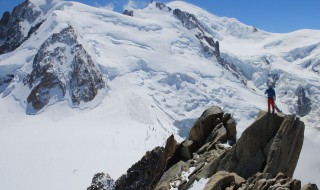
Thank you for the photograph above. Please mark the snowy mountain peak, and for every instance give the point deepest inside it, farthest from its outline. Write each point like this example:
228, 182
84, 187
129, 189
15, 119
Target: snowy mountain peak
62, 69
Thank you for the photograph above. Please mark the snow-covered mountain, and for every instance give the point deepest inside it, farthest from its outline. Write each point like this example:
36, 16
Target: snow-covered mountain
84, 89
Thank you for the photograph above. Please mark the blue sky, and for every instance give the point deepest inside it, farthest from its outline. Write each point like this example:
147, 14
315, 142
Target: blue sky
270, 15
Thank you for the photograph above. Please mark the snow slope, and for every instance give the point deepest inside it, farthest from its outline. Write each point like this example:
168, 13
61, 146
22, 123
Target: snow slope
158, 79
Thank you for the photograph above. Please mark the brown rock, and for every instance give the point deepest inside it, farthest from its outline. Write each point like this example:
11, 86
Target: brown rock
218, 134
205, 124
310, 187
187, 149
286, 147
220, 180
248, 157
231, 129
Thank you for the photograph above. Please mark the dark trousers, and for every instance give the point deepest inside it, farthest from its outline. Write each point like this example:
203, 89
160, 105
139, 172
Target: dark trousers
270, 102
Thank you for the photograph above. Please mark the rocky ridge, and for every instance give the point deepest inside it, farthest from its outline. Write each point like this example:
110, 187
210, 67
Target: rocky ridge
62, 68
264, 157
18, 26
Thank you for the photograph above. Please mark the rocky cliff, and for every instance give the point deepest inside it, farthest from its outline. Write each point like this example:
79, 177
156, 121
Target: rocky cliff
62, 69
18, 26
264, 157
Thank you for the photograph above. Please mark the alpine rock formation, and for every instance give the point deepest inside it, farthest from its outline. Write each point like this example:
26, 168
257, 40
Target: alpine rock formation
85, 89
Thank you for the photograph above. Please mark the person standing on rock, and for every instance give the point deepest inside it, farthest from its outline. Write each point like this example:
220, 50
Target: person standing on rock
271, 94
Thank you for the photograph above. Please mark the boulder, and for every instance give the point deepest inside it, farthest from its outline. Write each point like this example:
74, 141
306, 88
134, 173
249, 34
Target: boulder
231, 130
173, 175
262, 181
310, 187
187, 149
286, 147
279, 136
218, 134
205, 124
220, 180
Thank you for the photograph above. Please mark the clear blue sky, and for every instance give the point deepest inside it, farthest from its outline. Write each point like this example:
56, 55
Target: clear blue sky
270, 15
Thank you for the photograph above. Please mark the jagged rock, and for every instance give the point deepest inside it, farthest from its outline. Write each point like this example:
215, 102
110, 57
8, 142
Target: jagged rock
286, 147
5, 18
102, 181
220, 180
13, 34
143, 173
42, 92
247, 156
68, 65
128, 12
171, 175
146, 173
163, 6
218, 134
3, 24
188, 20
231, 130
210, 48
262, 181
271, 146
304, 103
187, 148
310, 187
205, 124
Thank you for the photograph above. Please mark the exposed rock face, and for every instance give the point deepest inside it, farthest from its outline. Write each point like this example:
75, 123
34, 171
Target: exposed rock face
188, 20
304, 103
264, 157
163, 6
210, 48
267, 181
62, 65
102, 181
5, 82
148, 172
310, 187
13, 32
3, 24
222, 180
144, 173
128, 12
272, 144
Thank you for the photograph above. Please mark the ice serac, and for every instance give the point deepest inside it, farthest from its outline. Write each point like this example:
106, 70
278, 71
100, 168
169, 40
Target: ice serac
62, 69
265, 155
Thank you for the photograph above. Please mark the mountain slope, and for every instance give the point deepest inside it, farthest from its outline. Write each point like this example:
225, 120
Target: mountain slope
147, 77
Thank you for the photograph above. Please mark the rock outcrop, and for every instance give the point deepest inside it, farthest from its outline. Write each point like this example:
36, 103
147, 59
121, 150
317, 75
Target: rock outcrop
264, 157
304, 103
62, 69
209, 46
13, 26
128, 12
272, 144
101, 181
5, 81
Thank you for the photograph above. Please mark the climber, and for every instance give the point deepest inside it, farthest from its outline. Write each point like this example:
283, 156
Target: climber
271, 94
